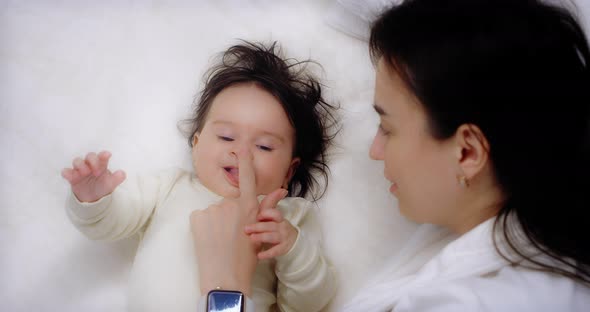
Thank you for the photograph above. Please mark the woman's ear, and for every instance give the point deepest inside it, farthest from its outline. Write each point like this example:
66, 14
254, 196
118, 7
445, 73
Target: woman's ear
291, 172
195, 139
472, 151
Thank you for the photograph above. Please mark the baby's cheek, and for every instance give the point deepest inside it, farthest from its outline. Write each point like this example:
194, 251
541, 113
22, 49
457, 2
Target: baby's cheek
268, 183
270, 173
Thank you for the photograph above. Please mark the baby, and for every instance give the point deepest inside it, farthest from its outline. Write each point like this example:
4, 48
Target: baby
253, 100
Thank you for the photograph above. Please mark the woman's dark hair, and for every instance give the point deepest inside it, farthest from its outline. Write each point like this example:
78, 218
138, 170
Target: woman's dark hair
517, 69
298, 91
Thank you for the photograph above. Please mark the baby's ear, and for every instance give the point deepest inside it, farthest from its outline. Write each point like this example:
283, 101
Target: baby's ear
291, 172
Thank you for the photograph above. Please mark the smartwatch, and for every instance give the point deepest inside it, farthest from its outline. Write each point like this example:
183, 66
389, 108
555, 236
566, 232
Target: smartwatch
219, 300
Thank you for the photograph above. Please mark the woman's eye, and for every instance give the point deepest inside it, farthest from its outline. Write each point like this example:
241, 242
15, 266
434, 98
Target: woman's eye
225, 138
264, 148
383, 131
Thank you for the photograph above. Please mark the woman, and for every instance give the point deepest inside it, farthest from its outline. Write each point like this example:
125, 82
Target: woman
485, 113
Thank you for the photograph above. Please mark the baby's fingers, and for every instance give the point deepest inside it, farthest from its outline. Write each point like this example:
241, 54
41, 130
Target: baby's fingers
266, 238
270, 215
98, 163
71, 175
273, 252
79, 171
93, 164
271, 200
103, 159
261, 227
80, 165
116, 178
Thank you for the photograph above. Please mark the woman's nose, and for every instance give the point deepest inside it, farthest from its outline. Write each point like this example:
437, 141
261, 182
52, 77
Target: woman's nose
377, 147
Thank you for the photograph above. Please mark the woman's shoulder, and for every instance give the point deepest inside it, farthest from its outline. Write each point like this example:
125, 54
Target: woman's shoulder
511, 288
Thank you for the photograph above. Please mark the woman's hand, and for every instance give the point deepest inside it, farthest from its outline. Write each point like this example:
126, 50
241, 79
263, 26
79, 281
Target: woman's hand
90, 178
274, 230
226, 255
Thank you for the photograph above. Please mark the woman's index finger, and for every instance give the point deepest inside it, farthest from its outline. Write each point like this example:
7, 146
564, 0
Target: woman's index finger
247, 177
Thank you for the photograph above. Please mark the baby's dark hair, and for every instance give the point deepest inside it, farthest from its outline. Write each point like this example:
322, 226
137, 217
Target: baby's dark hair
300, 95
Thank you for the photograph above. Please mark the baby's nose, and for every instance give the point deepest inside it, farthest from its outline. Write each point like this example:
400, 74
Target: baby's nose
239, 146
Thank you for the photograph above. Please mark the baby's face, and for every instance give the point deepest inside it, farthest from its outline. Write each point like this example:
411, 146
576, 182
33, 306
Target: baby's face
244, 116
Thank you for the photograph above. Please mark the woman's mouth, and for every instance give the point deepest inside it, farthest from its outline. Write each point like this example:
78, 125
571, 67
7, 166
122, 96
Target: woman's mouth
232, 174
393, 188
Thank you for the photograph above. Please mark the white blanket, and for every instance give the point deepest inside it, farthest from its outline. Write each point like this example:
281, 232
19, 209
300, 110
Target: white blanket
80, 76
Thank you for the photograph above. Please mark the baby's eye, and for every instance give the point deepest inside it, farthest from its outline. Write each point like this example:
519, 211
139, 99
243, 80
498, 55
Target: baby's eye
264, 148
225, 138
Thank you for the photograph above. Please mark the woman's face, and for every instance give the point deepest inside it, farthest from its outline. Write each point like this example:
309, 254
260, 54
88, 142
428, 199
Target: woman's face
421, 170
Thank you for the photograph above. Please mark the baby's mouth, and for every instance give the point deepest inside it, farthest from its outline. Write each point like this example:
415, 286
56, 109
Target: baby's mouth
232, 175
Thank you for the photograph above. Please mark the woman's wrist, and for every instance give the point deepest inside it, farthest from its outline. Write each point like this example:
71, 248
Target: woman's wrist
249, 305
227, 284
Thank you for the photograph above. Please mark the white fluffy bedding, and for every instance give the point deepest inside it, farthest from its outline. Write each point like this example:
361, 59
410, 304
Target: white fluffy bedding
80, 76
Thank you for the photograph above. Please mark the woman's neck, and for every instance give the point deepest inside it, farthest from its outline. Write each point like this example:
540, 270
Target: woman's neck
480, 201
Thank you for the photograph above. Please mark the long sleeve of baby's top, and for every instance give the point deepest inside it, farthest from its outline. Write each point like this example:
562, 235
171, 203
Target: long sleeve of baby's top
306, 281
124, 212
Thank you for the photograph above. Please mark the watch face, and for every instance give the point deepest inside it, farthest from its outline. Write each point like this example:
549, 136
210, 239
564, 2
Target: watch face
225, 301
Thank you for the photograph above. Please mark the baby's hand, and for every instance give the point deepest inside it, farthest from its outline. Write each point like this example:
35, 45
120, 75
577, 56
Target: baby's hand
274, 230
90, 178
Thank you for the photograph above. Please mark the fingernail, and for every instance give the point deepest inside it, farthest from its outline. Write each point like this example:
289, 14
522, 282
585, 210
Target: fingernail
284, 193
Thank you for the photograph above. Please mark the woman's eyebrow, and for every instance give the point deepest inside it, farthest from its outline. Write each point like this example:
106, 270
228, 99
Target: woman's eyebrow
222, 122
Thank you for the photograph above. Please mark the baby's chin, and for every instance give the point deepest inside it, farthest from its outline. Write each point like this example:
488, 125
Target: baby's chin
228, 192
234, 193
